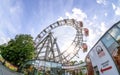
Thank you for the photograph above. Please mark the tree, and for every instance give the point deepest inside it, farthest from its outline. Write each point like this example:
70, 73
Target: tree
81, 62
18, 50
73, 62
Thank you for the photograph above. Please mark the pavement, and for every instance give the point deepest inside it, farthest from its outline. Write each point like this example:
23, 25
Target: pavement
5, 71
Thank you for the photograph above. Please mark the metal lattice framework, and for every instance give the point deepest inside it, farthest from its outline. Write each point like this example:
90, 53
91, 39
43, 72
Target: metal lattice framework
46, 44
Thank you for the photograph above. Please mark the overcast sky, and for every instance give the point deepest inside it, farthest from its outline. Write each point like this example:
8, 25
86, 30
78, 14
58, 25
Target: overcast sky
32, 16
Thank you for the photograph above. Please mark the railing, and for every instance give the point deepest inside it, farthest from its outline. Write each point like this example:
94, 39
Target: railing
74, 66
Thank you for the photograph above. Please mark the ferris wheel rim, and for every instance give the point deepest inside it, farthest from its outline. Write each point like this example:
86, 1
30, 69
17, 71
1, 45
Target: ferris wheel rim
66, 22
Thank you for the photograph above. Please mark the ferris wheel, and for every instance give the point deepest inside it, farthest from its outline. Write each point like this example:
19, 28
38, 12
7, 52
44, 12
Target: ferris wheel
47, 44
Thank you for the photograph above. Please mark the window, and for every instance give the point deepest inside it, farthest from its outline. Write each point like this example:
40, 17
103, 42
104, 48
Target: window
115, 32
108, 40
118, 25
110, 43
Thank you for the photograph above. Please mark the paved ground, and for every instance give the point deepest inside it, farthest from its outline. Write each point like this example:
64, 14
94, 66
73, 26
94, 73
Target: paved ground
6, 71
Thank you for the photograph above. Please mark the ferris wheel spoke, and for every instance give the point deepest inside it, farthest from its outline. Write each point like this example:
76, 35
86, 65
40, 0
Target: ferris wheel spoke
47, 46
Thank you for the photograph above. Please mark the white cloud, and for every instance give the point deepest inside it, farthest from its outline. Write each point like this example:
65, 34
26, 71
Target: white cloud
6, 29
103, 28
95, 17
114, 7
92, 37
76, 14
88, 22
106, 14
95, 30
3, 38
60, 18
32, 32
101, 2
117, 11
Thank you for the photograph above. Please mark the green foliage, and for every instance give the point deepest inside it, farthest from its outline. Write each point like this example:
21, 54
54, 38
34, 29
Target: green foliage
73, 62
18, 50
81, 61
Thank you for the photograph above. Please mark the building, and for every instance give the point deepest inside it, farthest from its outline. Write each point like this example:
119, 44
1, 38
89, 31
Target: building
104, 57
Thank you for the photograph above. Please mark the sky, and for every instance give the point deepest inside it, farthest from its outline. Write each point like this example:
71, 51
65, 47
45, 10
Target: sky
32, 16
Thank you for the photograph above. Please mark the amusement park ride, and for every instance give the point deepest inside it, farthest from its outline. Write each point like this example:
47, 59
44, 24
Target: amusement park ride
49, 56
50, 59
47, 47
56, 62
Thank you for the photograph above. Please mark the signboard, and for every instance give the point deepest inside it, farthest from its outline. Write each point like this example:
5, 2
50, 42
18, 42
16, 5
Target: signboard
102, 62
100, 51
